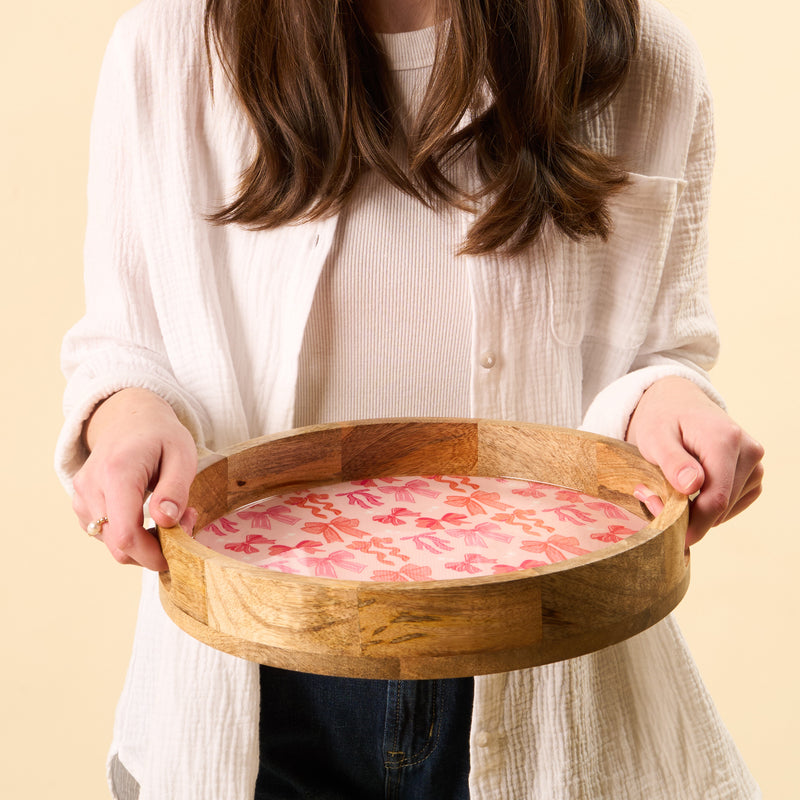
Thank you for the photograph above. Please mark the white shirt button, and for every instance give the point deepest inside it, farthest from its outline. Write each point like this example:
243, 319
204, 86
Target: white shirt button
488, 359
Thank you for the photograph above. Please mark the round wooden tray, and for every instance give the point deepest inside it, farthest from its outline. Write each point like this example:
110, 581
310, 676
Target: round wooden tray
430, 629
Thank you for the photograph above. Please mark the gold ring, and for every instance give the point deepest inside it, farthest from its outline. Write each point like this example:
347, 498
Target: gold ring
96, 528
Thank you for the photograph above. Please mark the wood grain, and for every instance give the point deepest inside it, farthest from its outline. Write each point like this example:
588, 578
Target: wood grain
464, 626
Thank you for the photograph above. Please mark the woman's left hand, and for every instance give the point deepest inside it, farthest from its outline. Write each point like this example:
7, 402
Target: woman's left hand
698, 448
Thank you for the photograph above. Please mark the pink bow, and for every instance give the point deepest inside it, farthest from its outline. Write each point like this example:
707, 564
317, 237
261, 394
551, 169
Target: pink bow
405, 492
226, 525
261, 516
436, 524
615, 533
361, 497
307, 546
408, 572
473, 502
571, 513
247, 545
609, 509
326, 567
331, 530
531, 490
396, 517
429, 542
469, 562
473, 537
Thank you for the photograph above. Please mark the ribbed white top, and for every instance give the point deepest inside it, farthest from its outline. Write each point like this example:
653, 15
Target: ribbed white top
394, 260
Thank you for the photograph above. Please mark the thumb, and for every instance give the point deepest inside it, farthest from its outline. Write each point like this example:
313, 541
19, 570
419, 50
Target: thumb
682, 470
171, 494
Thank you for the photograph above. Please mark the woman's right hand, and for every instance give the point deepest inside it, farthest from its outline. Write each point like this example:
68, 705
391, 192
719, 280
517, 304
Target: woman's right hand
137, 444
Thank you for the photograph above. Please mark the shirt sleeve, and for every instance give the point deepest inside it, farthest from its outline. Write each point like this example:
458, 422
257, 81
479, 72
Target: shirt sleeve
682, 337
117, 344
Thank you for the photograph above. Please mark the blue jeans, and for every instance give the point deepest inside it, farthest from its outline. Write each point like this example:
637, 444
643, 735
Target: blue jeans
354, 739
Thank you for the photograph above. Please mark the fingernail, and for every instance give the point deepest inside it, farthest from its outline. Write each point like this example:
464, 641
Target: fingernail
168, 508
686, 478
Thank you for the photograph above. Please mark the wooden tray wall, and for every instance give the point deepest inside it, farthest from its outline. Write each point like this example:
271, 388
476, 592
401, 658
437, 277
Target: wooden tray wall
457, 627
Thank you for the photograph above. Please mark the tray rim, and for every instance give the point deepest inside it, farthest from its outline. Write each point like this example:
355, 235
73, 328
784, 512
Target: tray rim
674, 506
670, 522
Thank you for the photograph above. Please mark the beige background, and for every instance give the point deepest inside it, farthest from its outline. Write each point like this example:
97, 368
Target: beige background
68, 610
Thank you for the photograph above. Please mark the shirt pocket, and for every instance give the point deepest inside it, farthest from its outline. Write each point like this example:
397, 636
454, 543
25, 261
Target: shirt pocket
606, 290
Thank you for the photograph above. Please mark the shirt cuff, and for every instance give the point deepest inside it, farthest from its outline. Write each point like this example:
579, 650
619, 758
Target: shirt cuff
610, 412
71, 451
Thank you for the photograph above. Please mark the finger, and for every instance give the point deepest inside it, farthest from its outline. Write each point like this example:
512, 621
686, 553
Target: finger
189, 520
744, 502
81, 508
711, 505
124, 534
87, 517
121, 557
732, 462
117, 554
684, 473
652, 502
88, 501
171, 493
749, 472
747, 475
750, 492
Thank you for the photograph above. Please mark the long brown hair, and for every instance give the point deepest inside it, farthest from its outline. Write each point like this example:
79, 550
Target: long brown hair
313, 82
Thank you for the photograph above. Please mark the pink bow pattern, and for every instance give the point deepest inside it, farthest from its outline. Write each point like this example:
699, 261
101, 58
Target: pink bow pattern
326, 567
396, 517
406, 492
481, 526
223, 527
408, 572
474, 502
474, 537
248, 545
262, 517
429, 542
470, 563
331, 530
361, 497
438, 524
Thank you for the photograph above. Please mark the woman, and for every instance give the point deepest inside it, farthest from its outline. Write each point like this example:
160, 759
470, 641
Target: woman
280, 253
